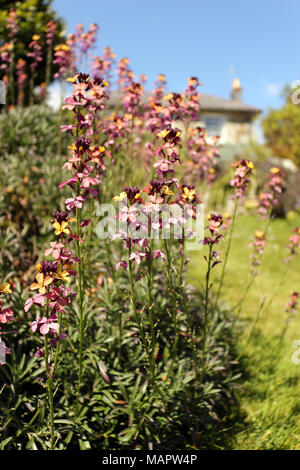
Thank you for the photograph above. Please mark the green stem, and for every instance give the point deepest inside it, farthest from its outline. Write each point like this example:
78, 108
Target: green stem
11, 78
206, 312
140, 326
173, 300
224, 265
150, 311
80, 298
187, 313
50, 392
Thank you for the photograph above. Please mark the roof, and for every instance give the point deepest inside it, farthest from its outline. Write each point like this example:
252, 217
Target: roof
215, 103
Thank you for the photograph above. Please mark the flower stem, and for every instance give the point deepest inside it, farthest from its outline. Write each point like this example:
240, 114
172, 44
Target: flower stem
186, 311
173, 299
140, 327
80, 299
50, 392
224, 265
206, 315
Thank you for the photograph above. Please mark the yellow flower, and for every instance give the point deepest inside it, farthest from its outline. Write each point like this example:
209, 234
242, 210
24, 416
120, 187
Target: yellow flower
163, 133
193, 81
120, 197
275, 170
38, 267
249, 164
259, 234
35, 37
5, 288
168, 97
62, 47
63, 275
167, 191
188, 194
72, 79
161, 77
41, 283
105, 83
61, 228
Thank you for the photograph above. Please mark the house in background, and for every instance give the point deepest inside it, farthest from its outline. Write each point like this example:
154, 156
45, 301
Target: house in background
231, 119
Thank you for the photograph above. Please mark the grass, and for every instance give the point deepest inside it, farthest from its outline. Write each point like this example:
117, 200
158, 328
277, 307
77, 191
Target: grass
269, 415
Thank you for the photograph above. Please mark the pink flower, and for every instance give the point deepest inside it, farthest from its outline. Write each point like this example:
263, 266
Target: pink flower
137, 257
159, 253
121, 264
37, 299
5, 315
55, 249
72, 203
45, 324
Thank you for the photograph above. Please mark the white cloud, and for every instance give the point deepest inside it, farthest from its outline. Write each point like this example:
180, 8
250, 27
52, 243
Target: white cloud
273, 89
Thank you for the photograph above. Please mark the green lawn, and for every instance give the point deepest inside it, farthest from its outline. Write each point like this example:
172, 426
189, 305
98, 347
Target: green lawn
270, 399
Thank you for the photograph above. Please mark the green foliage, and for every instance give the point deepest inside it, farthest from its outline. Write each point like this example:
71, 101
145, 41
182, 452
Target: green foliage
281, 130
29, 180
32, 17
116, 410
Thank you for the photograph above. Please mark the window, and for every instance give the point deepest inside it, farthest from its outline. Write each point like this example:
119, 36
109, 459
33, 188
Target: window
213, 125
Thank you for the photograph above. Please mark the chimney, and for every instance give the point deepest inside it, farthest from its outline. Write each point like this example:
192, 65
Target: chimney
236, 90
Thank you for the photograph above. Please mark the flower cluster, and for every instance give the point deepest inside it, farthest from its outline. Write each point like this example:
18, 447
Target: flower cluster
258, 245
64, 59
168, 151
6, 315
12, 25
160, 206
51, 28
294, 244
292, 306
216, 224
191, 99
101, 66
21, 79
241, 178
36, 52
85, 41
203, 155
5, 54
158, 91
273, 188
186, 105
124, 72
53, 296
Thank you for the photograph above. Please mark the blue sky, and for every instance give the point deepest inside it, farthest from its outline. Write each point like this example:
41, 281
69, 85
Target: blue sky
205, 38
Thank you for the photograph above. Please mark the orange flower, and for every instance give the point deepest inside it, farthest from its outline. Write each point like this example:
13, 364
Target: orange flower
42, 283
